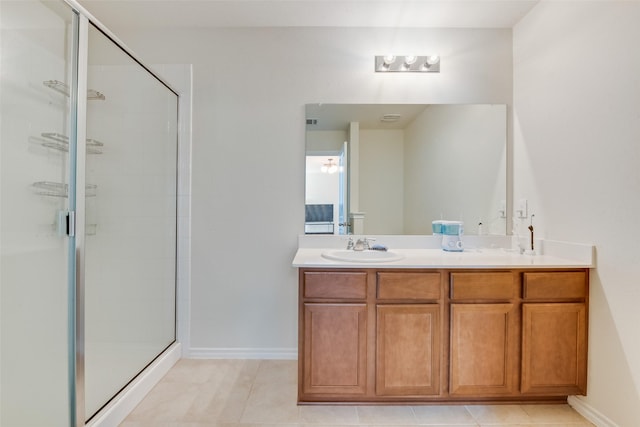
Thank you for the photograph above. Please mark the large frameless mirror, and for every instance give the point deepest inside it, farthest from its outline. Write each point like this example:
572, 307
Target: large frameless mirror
392, 169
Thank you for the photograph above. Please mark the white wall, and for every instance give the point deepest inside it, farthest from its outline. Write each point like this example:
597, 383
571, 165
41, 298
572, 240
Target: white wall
381, 154
321, 142
577, 160
453, 150
248, 114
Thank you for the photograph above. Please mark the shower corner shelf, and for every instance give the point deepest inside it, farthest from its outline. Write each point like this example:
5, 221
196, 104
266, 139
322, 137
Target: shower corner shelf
60, 142
58, 189
63, 88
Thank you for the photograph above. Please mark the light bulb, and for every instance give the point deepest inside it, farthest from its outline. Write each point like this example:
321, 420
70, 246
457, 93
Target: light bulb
432, 60
324, 169
410, 59
388, 59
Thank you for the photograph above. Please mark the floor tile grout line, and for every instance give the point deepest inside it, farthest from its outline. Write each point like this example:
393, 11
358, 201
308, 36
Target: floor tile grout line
246, 400
236, 377
475, 420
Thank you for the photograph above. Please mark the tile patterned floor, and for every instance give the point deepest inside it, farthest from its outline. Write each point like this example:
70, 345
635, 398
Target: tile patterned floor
261, 393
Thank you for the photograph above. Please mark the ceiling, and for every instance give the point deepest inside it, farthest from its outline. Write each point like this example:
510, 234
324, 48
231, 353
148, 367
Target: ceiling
309, 13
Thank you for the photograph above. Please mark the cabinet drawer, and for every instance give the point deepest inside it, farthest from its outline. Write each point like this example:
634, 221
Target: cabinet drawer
343, 285
555, 285
491, 285
411, 286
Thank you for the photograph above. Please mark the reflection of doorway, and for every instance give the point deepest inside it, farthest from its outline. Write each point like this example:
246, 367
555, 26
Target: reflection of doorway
326, 185
344, 227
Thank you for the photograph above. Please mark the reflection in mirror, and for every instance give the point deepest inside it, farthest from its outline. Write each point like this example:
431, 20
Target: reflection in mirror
402, 166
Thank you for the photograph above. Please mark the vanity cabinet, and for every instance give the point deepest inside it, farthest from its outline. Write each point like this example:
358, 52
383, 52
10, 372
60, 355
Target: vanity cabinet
437, 335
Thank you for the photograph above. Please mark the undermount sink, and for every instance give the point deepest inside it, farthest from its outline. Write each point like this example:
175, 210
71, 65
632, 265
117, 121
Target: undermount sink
362, 256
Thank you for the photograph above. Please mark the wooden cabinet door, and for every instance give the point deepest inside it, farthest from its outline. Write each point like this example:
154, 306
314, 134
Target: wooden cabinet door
408, 350
335, 356
554, 349
484, 350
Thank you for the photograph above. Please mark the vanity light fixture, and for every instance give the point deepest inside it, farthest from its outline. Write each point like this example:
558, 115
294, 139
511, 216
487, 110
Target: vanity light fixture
408, 63
329, 167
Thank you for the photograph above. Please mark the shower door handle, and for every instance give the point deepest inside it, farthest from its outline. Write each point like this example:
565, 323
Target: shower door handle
66, 223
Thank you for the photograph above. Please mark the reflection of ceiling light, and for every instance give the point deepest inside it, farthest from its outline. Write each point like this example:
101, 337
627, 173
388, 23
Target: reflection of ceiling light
329, 167
408, 63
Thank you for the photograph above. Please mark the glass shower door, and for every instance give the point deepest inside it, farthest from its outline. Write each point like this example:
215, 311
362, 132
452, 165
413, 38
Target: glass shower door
36, 134
130, 242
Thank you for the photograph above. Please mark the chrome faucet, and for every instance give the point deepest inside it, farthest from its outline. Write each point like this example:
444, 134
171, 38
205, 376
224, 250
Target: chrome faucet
350, 244
362, 244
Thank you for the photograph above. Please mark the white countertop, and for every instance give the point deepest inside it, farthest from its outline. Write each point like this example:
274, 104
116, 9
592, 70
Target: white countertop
556, 255
437, 258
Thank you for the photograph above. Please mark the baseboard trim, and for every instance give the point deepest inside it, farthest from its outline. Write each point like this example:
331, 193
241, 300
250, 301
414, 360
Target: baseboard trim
590, 413
122, 405
243, 353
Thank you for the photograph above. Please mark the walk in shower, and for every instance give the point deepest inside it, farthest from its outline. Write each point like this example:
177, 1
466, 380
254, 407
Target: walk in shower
88, 166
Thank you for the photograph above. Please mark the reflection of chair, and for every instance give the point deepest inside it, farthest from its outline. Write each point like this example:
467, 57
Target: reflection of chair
318, 219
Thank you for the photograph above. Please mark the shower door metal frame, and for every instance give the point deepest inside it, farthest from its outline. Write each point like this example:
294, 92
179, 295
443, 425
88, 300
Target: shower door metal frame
79, 195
